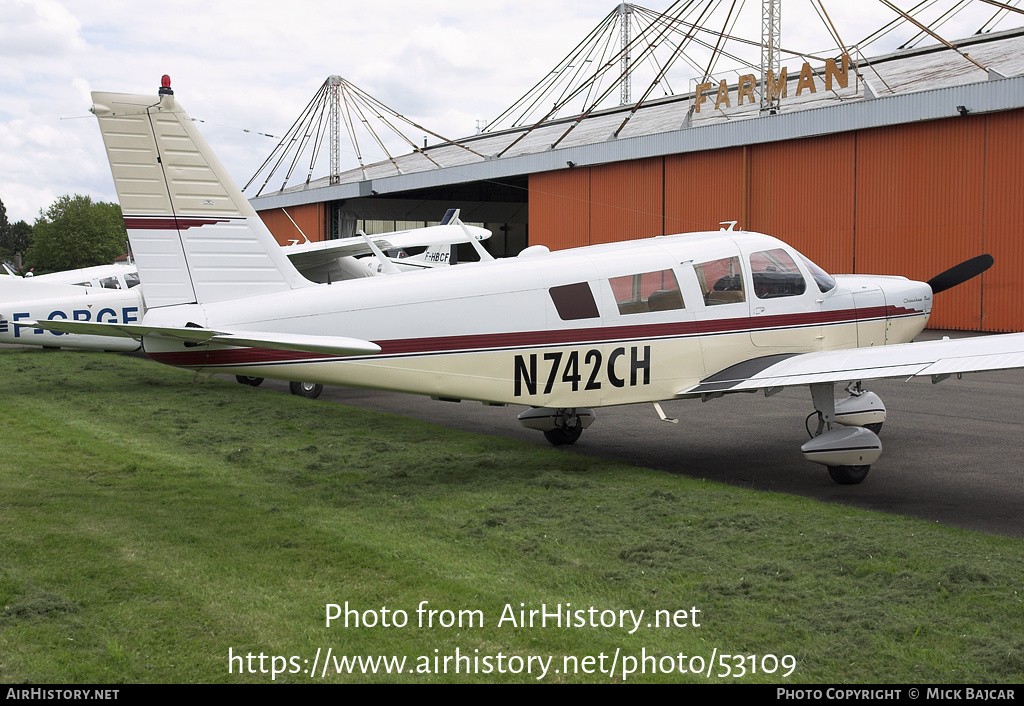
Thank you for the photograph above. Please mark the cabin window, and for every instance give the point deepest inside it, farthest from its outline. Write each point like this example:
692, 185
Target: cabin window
647, 291
574, 301
821, 278
721, 281
775, 275
132, 279
110, 283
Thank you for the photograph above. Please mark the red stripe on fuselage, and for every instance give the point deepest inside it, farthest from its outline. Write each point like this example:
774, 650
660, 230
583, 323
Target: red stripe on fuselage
170, 223
200, 357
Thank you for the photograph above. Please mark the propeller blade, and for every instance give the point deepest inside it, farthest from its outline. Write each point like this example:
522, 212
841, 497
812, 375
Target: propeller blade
960, 273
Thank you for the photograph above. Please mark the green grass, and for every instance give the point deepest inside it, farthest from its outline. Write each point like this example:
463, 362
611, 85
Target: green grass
148, 525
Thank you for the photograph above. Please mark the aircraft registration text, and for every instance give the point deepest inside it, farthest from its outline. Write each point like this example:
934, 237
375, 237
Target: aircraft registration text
587, 370
129, 314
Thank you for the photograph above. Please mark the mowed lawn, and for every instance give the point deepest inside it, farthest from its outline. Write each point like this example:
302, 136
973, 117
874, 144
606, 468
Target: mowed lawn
152, 527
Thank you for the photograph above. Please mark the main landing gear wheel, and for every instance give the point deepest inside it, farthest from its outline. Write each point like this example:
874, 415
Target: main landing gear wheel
847, 451
309, 390
561, 427
561, 436
848, 475
251, 381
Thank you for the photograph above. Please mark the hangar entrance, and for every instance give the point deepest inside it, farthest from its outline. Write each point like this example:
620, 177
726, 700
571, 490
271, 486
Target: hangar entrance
501, 206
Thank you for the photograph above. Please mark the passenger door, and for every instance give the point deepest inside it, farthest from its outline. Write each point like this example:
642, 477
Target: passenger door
785, 310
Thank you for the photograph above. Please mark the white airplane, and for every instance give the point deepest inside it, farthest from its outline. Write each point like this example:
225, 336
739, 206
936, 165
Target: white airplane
81, 296
365, 256
683, 316
122, 275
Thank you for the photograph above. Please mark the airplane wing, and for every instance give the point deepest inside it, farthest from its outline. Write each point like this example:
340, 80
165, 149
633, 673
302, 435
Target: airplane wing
937, 359
330, 345
308, 255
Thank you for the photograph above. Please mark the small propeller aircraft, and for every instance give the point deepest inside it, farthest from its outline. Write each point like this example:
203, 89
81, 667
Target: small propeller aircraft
122, 275
683, 316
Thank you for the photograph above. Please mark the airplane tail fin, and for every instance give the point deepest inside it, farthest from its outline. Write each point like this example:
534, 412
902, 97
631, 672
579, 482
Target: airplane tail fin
195, 237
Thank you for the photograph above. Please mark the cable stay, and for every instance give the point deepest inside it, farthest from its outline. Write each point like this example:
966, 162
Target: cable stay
338, 103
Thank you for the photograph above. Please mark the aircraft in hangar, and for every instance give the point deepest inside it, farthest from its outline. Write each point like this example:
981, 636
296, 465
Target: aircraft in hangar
692, 316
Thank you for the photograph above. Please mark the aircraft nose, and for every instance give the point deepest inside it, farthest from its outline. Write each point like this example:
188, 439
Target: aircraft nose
918, 296
907, 296
909, 305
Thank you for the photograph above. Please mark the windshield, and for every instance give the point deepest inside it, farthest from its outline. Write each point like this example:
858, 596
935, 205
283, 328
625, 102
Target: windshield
821, 278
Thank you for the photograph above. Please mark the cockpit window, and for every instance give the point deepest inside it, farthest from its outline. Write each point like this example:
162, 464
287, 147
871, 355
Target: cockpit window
721, 281
110, 283
647, 291
574, 301
775, 275
132, 279
821, 278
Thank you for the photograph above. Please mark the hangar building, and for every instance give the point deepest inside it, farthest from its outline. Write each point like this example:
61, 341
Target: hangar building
903, 164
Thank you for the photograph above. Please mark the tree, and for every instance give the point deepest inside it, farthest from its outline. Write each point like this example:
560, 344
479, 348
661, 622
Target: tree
14, 237
4, 227
19, 237
16, 242
75, 232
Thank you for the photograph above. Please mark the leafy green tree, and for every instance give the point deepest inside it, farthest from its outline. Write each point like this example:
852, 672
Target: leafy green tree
4, 228
75, 232
19, 237
16, 240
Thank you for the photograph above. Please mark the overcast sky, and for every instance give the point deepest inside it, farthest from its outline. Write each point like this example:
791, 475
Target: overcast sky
255, 65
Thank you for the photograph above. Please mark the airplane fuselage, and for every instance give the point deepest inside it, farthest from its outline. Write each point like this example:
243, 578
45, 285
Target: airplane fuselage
39, 298
602, 325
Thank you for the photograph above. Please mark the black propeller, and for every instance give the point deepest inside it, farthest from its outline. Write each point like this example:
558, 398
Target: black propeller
960, 273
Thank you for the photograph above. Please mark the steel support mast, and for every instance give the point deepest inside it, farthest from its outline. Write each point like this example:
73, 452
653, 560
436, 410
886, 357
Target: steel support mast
334, 100
771, 47
624, 12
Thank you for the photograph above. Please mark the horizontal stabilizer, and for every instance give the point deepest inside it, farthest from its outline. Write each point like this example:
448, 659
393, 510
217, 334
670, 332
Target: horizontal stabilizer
329, 345
136, 331
906, 360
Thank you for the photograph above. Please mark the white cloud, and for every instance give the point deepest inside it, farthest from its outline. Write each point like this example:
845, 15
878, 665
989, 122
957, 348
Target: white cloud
33, 28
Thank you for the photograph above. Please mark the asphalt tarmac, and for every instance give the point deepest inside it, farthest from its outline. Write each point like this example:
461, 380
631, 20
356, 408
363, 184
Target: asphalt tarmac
952, 452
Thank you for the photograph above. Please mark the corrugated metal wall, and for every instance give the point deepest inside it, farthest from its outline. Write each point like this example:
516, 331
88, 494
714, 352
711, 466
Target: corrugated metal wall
309, 217
626, 200
803, 192
919, 207
912, 200
1002, 289
560, 208
703, 189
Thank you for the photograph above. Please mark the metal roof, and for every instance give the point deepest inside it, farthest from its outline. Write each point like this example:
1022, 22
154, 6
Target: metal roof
908, 86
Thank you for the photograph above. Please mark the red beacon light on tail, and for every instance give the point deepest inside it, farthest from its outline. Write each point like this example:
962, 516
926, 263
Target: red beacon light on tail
165, 86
